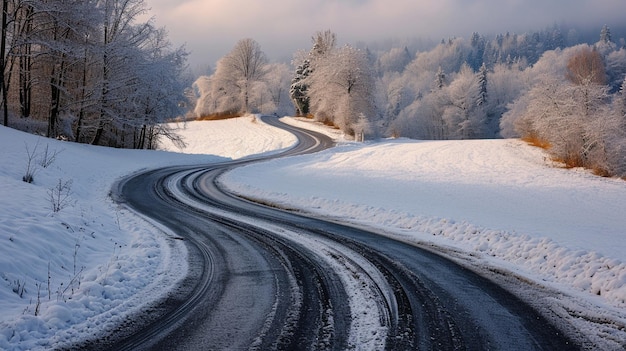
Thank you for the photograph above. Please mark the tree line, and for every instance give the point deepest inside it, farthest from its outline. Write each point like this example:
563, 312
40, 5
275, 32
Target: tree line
243, 81
89, 71
95, 72
566, 98
340, 92
574, 108
545, 86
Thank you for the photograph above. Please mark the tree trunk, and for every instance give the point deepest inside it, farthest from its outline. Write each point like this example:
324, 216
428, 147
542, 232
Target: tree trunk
56, 81
98, 135
3, 63
25, 91
142, 137
83, 91
150, 138
105, 77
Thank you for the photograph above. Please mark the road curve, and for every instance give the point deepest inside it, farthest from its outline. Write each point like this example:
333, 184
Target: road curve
262, 278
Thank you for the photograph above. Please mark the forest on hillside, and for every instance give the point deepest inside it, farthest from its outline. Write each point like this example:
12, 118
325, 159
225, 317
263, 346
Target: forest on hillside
546, 87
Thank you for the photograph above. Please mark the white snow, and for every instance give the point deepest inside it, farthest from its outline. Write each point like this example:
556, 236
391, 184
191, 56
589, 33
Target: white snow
501, 202
234, 138
104, 262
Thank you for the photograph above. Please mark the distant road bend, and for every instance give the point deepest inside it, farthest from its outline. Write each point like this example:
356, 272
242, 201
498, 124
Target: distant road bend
262, 278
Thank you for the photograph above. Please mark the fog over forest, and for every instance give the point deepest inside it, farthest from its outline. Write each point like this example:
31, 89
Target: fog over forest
210, 28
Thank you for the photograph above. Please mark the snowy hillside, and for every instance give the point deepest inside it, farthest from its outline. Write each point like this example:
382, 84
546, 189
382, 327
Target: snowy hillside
500, 198
67, 274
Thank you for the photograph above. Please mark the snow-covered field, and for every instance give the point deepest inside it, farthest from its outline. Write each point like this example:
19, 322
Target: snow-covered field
500, 202
65, 275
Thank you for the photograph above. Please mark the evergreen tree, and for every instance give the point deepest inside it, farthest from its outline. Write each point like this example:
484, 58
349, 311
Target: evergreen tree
605, 35
621, 100
476, 56
299, 88
556, 40
606, 45
482, 85
440, 80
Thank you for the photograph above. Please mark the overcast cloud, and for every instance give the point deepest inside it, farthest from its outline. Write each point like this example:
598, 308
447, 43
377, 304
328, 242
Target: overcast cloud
210, 28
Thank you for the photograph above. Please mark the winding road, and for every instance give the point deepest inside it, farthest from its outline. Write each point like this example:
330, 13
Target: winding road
262, 278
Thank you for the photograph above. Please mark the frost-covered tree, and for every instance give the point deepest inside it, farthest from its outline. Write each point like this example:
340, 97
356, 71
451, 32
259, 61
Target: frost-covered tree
324, 42
49, 41
73, 69
569, 113
423, 119
450, 56
395, 60
540, 82
476, 55
238, 73
397, 94
205, 102
605, 35
616, 68
621, 98
586, 66
226, 94
462, 116
277, 83
505, 84
615, 130
116, 46
227, 90
605, 45
162, 91
342, 88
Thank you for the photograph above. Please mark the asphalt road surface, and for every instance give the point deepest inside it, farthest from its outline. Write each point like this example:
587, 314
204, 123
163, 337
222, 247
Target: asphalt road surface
262, 278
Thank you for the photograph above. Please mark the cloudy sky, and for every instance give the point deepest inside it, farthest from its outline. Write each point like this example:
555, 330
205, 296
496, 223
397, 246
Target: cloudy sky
210, 28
